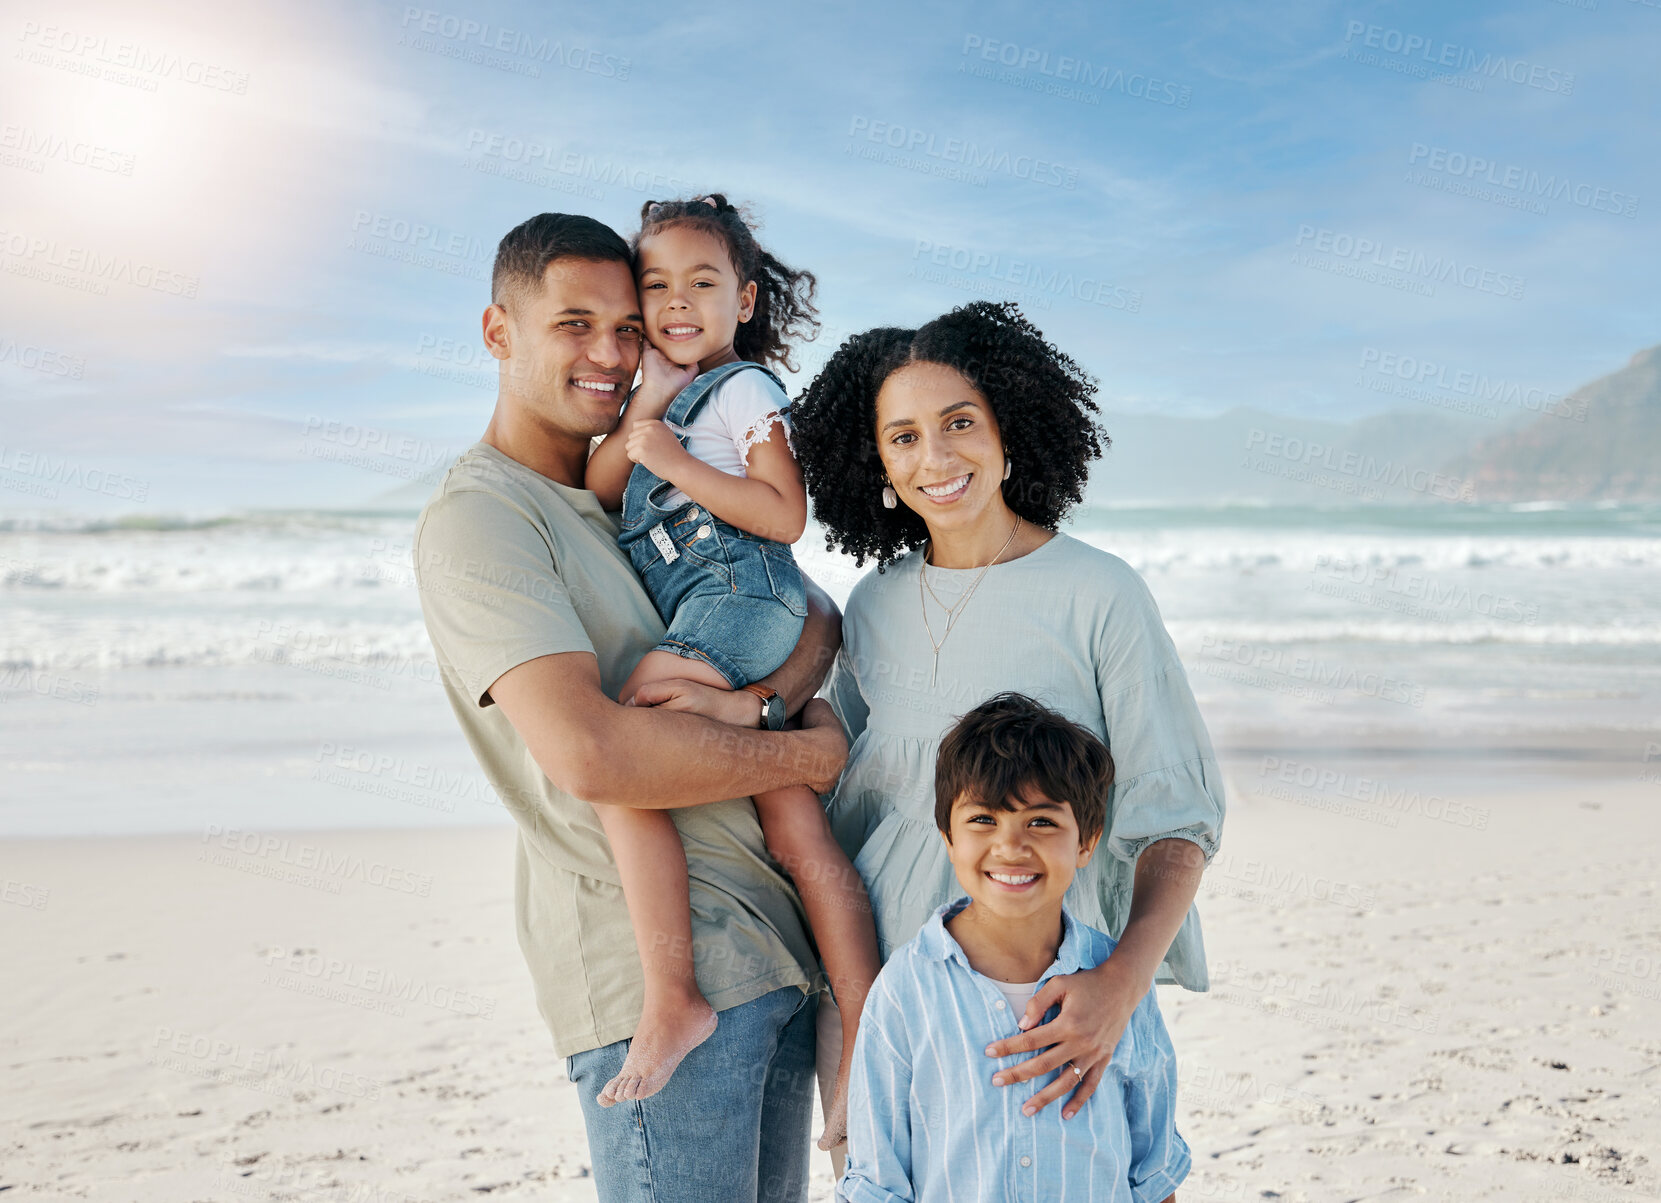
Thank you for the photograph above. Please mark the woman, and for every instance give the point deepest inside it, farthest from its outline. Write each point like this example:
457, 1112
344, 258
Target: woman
950, 454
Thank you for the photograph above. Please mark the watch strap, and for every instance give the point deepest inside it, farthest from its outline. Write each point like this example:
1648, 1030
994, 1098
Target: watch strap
767, 696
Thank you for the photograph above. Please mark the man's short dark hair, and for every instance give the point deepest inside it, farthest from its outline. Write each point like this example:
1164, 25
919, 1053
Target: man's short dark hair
1009, 744
524, 254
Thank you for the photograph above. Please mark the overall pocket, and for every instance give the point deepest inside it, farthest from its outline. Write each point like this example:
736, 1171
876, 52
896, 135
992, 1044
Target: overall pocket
785, 578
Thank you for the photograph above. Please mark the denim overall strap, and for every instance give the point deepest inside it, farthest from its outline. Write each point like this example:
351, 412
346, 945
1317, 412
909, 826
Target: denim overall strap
640, 509
684, 409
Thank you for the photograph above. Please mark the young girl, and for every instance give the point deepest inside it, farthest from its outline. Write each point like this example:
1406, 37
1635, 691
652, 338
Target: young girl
711, 499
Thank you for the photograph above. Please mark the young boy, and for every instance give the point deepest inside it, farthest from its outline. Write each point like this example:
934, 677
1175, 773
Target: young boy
1020, 796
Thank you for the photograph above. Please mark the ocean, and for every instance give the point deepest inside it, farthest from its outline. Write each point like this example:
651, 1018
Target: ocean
270, 670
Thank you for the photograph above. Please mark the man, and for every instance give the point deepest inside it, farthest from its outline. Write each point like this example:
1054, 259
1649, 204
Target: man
537, 619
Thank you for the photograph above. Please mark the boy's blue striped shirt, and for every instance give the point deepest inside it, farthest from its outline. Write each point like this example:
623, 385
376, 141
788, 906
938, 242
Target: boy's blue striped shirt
926, 1125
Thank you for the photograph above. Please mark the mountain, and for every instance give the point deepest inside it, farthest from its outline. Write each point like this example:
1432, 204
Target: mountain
1614, 454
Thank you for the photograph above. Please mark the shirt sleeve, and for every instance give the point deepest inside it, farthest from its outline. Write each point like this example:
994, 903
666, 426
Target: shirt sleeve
1159, 1157
841, 690
879, 1106
1166, 783
747, 404
490, 589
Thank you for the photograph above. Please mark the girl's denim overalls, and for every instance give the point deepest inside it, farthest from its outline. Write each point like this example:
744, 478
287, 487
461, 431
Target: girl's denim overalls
730, 598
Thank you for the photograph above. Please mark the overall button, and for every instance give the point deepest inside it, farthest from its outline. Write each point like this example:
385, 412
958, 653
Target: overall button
703, 533
694, 513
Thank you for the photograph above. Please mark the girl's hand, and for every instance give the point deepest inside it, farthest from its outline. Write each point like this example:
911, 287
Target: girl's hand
652, 443
661, 379
736, 706
1096, 1005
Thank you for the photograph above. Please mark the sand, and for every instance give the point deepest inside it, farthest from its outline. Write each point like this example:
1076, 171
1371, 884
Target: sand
1448, 999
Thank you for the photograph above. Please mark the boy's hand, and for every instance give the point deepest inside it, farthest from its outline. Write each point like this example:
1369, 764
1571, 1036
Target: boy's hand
661, 378
1096, 1005
652, 443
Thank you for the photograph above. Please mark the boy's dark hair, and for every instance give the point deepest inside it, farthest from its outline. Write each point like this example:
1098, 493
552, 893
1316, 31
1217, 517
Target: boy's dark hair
1043, 401
1010, 743
523, 255
784, 309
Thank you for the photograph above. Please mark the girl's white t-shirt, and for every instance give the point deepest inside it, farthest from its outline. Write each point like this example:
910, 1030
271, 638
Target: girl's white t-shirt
738, 415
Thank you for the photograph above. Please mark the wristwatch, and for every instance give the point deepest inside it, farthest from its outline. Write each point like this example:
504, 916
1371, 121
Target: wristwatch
772, 707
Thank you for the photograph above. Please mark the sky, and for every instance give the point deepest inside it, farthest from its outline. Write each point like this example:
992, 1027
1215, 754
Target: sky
244, 250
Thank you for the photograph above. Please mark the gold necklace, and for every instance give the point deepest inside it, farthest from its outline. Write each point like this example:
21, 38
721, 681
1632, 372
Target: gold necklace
954, 611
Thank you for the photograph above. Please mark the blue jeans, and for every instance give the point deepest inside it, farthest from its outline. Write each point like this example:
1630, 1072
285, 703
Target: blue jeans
731, 1126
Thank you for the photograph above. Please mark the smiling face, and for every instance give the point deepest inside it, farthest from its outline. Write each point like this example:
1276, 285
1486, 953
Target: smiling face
940, 446
1016, 864
692, 296
570, 350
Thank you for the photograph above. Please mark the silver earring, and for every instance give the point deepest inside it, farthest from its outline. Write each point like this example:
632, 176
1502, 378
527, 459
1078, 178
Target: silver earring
890, 499
1007, 467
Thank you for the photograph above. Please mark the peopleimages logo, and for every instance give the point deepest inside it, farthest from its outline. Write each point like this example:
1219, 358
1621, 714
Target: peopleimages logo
469, 32
911, 141
1410, 263
1067, 69
1525, 181
1428, 52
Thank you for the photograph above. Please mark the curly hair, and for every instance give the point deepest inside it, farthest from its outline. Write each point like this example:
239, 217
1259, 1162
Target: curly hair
784, 309
1043, 401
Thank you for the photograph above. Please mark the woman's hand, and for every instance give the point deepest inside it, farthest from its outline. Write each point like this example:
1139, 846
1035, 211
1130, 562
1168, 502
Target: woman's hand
1096, 1005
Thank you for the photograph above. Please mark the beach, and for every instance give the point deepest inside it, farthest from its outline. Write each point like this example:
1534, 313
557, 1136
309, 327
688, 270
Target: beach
255, 896
1460, 1005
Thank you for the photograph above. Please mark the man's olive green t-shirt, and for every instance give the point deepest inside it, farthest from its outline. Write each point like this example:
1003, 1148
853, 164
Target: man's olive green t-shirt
512, 566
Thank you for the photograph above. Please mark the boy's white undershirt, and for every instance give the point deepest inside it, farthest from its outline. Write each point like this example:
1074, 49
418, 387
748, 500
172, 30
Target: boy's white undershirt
1017, 994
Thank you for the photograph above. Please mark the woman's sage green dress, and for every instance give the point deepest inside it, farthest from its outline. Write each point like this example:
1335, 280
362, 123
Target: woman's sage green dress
1074, 628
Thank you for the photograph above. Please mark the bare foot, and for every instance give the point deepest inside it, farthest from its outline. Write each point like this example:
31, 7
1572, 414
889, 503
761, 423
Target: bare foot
836, 1111
665, 1035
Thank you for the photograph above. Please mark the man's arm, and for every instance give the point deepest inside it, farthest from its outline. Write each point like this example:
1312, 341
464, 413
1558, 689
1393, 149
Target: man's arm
654, 758
797, 679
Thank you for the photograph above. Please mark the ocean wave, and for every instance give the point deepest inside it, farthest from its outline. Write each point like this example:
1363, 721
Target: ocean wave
300, 554
1208, 638
381, 649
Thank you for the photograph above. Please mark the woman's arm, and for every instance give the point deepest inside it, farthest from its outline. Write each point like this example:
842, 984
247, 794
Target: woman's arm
770, 503
1166, 820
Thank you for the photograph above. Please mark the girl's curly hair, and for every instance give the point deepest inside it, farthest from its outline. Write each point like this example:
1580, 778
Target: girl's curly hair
1043, 401
784, 309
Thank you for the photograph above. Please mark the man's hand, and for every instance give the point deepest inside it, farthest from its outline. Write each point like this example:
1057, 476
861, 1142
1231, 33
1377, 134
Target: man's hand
652, 443
1096, 1005
818, 718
